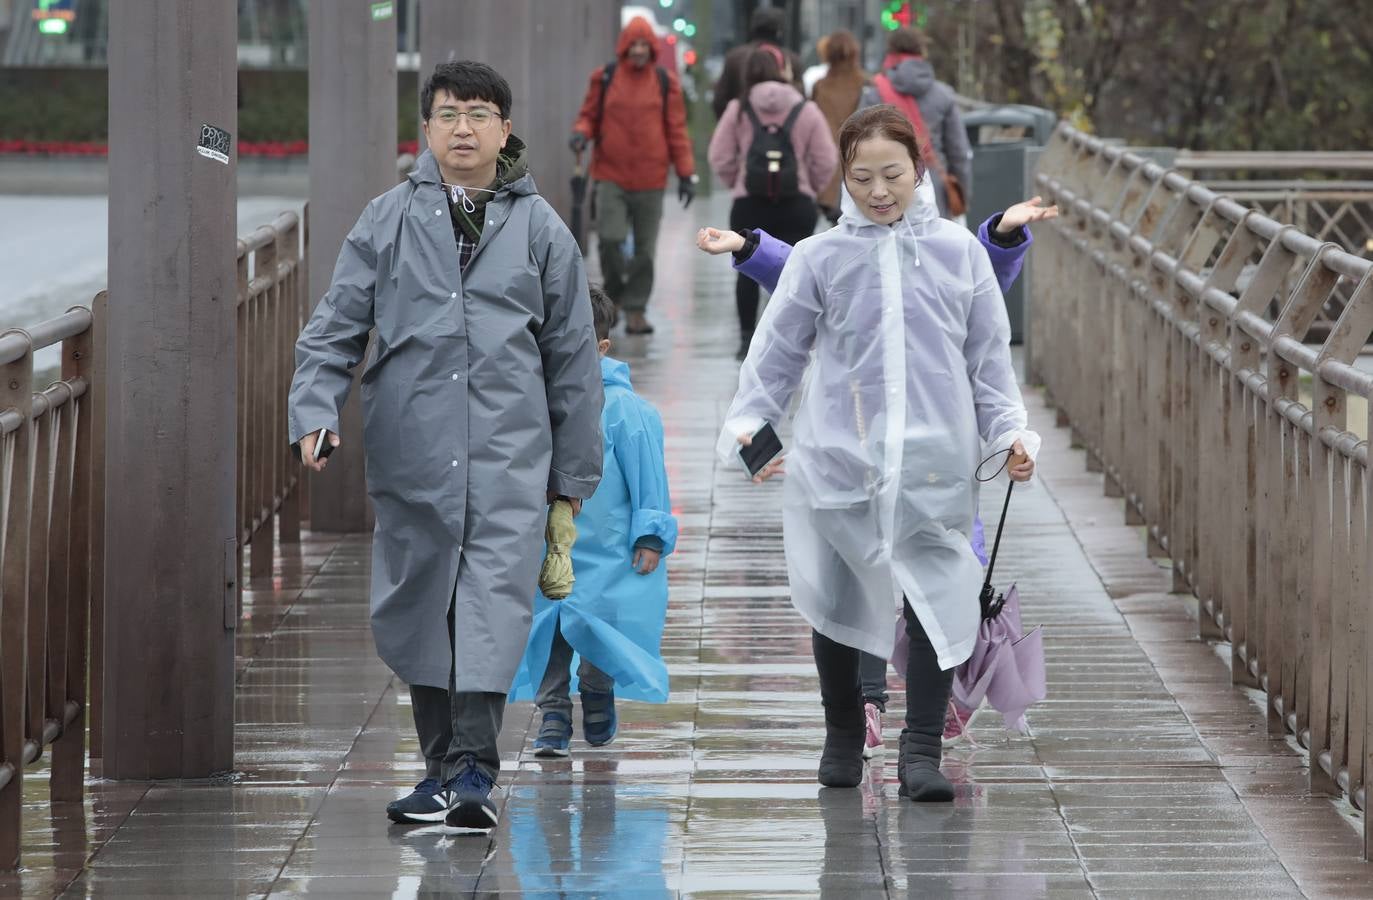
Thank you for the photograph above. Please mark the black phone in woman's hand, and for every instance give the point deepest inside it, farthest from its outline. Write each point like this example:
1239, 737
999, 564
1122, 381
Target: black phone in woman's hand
765, 447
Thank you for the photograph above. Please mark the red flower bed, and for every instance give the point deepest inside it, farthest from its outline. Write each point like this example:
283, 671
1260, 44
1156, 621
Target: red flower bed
259, 149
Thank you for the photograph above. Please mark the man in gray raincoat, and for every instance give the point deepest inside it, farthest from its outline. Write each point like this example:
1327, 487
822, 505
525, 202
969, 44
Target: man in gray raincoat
482, 402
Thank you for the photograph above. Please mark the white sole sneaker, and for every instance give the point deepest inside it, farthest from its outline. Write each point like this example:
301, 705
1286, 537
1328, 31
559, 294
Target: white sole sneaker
552, 753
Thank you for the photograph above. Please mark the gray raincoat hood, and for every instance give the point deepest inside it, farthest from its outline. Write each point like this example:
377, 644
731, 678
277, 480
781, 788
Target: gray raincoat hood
914, 77
482, 392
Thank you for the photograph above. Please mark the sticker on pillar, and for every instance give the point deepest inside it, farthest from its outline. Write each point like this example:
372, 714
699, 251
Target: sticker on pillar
381, 11
214, 143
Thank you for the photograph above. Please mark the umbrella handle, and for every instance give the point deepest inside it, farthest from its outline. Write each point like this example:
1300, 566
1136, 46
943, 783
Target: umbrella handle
996, 545
577, 167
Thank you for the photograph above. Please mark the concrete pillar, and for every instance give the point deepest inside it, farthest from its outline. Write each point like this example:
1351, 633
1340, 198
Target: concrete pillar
352, 160
169, 382
546, 51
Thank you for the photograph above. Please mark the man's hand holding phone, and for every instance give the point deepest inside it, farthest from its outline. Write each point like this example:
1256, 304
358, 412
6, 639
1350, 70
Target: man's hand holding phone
315, 448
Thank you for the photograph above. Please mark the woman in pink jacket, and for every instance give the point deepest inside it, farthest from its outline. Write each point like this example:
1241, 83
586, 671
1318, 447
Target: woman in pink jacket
774, 180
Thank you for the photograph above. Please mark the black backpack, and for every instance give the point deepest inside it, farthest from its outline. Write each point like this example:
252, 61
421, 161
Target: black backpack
770, 169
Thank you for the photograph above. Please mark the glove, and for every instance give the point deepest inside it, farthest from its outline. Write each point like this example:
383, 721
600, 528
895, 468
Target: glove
686, 189
556, 577
577, 142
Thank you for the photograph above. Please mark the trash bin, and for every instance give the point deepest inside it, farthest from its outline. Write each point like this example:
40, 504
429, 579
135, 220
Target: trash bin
1005, 142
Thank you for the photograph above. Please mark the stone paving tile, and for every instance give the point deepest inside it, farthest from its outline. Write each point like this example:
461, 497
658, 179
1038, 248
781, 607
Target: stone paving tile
1144, 772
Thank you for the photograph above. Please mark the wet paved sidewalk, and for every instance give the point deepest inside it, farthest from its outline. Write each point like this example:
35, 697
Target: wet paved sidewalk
1145, 774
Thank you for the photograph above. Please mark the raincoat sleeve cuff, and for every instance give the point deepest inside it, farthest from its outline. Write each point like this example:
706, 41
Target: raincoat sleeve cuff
1030, 439
727, 448
565, 485
653, 524
326, 420
765, 264
1006, 261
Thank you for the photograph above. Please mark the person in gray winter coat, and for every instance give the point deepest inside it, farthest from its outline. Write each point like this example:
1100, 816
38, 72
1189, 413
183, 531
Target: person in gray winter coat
912, 77
482, 400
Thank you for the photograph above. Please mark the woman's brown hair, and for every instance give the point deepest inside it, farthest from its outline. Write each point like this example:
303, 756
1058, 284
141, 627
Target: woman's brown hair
879, 121
841, 51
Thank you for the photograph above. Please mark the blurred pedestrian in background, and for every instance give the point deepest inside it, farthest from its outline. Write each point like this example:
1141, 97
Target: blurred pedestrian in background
838, 94
907, 82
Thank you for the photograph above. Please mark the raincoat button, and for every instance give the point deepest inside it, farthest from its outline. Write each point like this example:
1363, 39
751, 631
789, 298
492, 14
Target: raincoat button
438, 212
455, 463
490, 221
453, 296
455, 376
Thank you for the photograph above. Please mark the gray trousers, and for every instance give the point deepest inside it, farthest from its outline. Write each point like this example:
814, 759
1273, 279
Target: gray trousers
555, 689
454, 724
628, 282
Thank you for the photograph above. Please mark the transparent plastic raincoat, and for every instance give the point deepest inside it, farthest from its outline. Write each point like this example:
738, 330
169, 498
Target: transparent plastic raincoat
902, 338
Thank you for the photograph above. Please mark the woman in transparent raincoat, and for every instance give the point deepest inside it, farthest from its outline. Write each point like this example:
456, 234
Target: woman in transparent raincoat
894, 320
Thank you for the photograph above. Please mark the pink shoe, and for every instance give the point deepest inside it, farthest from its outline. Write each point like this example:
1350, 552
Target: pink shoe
872, 742
956, 723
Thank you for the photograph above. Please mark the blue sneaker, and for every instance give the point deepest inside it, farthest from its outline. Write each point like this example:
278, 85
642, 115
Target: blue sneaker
472, 808
554, 736
598, 717
427, 803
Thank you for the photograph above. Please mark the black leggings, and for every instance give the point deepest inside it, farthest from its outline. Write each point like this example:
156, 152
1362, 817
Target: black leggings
788, 220
927, 686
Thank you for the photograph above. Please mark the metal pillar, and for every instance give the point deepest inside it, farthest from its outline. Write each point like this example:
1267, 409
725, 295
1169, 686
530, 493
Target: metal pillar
545, 51
171, 562
352, 160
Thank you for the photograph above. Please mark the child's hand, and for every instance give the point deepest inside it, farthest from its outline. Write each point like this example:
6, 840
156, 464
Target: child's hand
1021, 467
646, 560
715, 241
1024, 213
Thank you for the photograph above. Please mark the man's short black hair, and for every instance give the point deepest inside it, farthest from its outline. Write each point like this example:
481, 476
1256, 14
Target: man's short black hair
466, 80
603, 314
768, 23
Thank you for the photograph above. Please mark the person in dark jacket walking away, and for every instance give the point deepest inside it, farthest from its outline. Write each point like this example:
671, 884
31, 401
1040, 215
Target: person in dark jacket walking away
767, 27
482, 401
907, 82
635, 113
783, 206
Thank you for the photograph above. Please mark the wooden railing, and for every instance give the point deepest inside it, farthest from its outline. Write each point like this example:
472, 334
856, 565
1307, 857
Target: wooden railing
1171, 326
51, 503
273, 304
50, 478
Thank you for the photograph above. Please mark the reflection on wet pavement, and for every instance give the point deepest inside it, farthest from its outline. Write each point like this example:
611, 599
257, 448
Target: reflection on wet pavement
1145, 773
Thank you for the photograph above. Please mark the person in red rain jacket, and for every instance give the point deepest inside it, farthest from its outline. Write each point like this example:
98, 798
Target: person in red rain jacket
639, 128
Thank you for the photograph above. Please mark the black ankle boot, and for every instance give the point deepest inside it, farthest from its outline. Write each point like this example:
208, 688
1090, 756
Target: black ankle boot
921, 779
841, 762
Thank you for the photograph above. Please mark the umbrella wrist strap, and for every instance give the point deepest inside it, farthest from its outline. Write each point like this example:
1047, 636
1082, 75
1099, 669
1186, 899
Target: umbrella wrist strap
996, 545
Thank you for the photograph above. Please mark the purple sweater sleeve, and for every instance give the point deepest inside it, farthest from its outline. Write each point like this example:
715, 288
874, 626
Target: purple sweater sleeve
1006, 261
765, 265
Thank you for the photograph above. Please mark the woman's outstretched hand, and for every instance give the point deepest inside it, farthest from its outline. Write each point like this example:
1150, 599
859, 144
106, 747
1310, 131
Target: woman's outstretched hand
716, 241
776, 467
1021, 214
1020, 467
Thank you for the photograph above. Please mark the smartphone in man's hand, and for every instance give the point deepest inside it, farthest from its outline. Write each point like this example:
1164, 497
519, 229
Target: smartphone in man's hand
323, 446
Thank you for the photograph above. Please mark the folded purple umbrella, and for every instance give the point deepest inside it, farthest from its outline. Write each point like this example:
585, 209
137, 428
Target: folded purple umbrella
1007, 666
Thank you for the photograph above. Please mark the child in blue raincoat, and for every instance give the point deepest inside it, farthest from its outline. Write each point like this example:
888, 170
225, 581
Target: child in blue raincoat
613, 620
